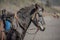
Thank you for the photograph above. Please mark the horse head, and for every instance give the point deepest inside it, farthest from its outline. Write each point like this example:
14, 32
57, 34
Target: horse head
37, 17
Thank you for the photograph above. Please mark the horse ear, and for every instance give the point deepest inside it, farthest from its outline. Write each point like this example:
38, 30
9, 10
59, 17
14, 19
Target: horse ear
37, 6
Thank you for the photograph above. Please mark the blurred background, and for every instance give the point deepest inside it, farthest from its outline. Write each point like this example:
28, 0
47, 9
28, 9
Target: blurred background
51, 16
12, 4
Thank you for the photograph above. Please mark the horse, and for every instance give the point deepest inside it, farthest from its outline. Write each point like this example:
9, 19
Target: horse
24, 17
22, 20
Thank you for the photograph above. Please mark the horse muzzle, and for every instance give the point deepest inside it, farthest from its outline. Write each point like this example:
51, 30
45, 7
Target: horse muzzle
41, 27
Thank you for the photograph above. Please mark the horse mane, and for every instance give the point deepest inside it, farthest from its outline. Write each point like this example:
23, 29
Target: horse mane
24, 15
26, 10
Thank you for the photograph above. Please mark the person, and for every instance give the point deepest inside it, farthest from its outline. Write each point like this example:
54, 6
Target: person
6, 21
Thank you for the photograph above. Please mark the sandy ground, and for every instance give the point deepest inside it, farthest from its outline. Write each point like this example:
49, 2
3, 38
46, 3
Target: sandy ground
56, 7
52, 31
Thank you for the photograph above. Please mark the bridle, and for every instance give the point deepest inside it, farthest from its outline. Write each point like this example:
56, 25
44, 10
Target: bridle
33, 16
